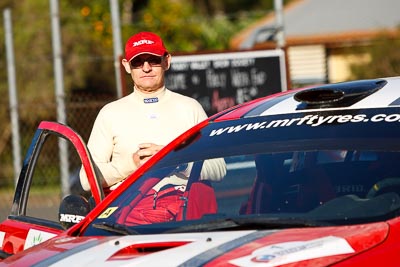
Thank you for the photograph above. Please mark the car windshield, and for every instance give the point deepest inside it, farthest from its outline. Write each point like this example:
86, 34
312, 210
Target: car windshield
267, 173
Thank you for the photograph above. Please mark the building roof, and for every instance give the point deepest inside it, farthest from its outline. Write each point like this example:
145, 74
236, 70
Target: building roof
318, 21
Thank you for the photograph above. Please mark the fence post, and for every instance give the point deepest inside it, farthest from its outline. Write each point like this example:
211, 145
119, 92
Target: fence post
60, 96
12, 89
117, 44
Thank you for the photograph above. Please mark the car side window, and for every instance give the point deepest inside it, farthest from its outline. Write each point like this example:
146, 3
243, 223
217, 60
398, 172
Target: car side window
47, 188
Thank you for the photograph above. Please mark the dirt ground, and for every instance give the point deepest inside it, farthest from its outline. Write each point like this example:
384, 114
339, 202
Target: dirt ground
40, 206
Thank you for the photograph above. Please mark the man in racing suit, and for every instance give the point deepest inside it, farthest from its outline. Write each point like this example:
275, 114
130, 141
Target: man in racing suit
128, 131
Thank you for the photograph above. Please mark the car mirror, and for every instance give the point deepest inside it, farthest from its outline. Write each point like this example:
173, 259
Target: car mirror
73, 209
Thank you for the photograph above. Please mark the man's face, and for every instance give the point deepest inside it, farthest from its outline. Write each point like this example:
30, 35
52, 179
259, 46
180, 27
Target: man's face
147, 71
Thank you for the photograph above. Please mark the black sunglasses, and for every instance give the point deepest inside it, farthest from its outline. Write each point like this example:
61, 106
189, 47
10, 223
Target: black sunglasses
138, 62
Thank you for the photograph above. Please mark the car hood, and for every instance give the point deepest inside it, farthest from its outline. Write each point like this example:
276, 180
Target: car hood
312, 246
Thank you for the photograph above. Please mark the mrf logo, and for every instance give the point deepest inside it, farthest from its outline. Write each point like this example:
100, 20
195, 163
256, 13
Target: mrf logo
350, 188
70, 218
142, 42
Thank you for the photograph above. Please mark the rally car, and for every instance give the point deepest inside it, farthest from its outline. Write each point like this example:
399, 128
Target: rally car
306, 177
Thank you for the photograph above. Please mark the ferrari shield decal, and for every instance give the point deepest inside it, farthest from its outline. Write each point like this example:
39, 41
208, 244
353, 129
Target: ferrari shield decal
107, 212
289, 252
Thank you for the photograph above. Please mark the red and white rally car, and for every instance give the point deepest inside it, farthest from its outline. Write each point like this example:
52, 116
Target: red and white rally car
307, 177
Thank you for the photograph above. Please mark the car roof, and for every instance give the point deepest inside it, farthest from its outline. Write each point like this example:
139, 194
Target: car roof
372, 93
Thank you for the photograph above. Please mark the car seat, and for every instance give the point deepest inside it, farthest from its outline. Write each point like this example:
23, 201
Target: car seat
170, 202
278, 189
199, 200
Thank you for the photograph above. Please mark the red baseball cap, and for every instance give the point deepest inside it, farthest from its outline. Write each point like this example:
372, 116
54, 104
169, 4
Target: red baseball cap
144, 43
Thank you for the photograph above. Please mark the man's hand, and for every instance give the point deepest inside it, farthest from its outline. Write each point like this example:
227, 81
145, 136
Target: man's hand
145, 151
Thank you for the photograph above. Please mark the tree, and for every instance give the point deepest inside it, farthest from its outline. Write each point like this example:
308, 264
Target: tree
189, 26
379, 63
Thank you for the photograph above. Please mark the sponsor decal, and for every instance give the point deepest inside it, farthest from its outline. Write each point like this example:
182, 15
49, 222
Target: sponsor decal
150, 100
350, 188
289, 252
35, 237
71, 218
2, 234
310, 120
107, 212
142, 42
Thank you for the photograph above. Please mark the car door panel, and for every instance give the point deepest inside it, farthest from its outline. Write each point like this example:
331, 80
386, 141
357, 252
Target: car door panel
28, 224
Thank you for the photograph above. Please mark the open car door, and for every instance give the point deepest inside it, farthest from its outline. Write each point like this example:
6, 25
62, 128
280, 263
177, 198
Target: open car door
32, 220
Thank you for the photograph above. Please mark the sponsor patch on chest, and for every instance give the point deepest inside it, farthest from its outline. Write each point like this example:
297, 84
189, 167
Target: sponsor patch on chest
150, 100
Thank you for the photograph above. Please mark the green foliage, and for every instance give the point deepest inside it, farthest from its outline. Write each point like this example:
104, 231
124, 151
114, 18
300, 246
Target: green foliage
215, 7
87, 46
185, 29
6, 4
31, 37
172, 20
380, 64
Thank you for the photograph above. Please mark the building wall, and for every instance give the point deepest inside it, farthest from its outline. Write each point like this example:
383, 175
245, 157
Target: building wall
316, 64
339, 65
307, 64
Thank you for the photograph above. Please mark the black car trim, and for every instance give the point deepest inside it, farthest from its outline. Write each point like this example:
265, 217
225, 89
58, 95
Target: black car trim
36, 221
343, 94
4, 255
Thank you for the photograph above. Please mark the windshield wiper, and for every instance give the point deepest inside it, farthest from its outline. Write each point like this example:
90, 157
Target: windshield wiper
115, 228
248, 223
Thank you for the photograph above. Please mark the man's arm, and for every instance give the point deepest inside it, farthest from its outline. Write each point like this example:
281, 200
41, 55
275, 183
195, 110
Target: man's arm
101, 145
